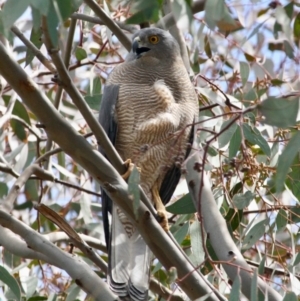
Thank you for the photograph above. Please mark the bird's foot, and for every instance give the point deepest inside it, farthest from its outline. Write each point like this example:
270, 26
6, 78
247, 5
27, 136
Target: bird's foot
160, 209
162, 219
129, 167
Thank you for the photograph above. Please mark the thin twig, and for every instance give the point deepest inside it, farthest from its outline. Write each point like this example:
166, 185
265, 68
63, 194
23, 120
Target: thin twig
14, 191
34, 49
110, 23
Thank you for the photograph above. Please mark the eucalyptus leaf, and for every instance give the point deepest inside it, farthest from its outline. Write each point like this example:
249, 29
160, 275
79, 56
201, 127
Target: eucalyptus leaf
226, 136
80, 53
241, 201
290, 296
182, 232
281, 219
255, 233
285, 160
184, 205
93, 101
256, 138
235, 143
11, 282
236, 289
244, 72
198, 253
280, 112
254, 287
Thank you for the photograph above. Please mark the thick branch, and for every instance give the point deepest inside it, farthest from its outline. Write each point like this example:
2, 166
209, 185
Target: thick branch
216, 229
74, 266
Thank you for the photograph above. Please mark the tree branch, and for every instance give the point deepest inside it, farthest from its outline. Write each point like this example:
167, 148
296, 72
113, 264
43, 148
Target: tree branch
82, 273
110, 23
14, 192
215, 226
58, 236
34, 49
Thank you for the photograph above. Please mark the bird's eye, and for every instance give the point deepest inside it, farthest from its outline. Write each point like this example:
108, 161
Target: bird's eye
153, 39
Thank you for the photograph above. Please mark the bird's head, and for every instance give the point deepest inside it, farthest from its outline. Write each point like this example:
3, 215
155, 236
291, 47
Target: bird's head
154, 42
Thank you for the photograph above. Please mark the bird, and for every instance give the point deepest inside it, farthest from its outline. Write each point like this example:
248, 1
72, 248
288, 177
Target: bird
148, 109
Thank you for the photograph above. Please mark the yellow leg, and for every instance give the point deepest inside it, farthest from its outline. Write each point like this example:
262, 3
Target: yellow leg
160, 208
129, 165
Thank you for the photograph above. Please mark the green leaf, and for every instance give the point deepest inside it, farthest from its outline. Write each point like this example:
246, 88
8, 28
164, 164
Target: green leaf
11, 282
242, 200
281, 219
255, 138
235, 290
215, 10
297, 260
285, 160
296, 29
290, 296
198, 254
182, 13
3, 190
182, 232
254, 31
288, 49
36, 40
80, 53
261, 268
29, 285
207, 47
254, 287
184, 205
36, 18
37, 298
42, 6
244, 72
277, 82
235, 143
93, 101
255, 233
280, 112
234, 217
145, 11
52, 24
12, 10
134, 189
295, 215
72, 292
226, 136
18, 128
96, 86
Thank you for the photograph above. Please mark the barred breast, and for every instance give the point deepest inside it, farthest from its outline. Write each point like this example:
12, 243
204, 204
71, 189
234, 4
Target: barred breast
154, 113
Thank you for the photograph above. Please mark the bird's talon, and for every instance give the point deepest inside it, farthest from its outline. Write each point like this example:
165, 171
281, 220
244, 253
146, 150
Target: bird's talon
163, 220
129, 166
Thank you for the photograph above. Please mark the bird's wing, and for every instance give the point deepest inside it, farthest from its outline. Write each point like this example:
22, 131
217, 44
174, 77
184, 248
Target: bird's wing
129, 256
173, 175
107, 121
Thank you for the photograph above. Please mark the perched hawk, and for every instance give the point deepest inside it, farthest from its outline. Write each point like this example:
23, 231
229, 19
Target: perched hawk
147, 110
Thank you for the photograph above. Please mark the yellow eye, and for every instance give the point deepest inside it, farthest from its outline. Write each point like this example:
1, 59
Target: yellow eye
153, 39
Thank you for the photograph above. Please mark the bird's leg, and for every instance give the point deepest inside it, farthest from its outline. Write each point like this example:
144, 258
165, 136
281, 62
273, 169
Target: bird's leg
160, 208
129, 166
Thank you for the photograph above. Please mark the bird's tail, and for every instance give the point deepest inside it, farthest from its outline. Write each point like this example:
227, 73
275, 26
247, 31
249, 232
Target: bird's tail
129, 260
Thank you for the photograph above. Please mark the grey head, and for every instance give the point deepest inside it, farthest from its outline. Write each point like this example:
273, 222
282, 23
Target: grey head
153, 43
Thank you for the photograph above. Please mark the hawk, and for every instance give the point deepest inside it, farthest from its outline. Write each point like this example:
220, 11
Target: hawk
148, 108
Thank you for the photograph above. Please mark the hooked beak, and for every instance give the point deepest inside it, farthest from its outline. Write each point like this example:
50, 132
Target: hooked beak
136, 47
